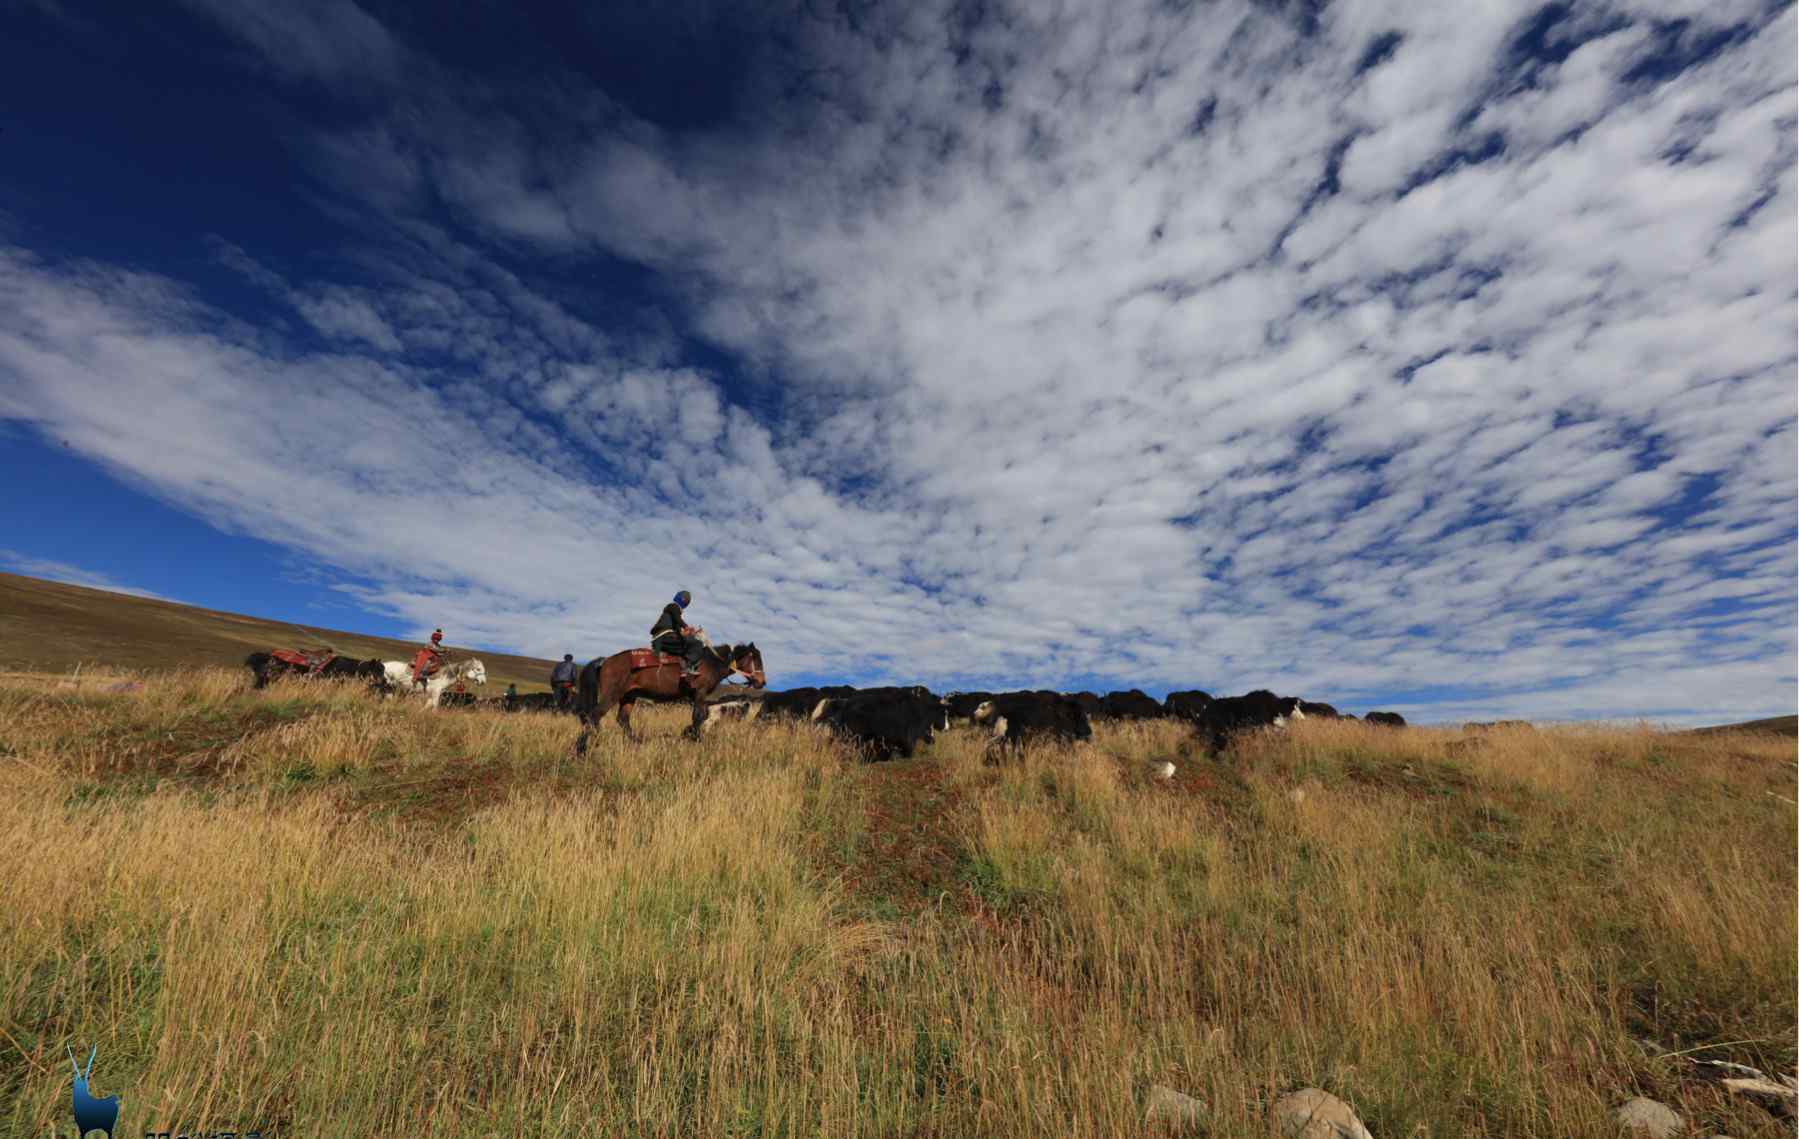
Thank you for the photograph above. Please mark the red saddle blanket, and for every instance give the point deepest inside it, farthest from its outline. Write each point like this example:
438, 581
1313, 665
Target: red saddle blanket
650, 658
301, 660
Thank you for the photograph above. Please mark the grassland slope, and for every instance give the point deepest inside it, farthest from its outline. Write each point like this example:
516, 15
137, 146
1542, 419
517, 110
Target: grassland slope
48, 626
308, 910
1773, 726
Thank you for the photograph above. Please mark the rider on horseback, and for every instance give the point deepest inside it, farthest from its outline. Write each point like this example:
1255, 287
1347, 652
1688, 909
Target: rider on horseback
429, 659
673, 635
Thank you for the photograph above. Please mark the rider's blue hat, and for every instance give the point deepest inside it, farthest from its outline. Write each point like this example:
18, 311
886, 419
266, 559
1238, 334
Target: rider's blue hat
683, 598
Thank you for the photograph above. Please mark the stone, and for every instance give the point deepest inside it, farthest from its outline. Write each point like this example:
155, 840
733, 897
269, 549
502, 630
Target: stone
1657, 1120
1172, 1108
1313, 1113
1780, 1097
1162, 770
1777, 1098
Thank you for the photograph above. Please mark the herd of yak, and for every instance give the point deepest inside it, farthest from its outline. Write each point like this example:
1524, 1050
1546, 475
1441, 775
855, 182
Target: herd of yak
885, 722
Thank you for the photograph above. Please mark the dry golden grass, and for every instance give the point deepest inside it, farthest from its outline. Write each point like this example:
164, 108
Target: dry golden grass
310, 910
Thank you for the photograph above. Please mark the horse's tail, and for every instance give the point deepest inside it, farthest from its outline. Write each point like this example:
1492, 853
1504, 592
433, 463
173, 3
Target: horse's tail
587, 703
587, 695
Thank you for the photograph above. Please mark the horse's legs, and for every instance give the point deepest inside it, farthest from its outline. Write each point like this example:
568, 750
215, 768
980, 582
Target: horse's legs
624, 716
603, 699
701, 713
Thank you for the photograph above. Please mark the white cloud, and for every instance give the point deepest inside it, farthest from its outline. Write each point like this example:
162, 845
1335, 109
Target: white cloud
51, 570
1078, 374
327, 40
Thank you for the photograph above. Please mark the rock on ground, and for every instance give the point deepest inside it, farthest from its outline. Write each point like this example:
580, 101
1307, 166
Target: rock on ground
1657, 1120
1313, 1113
1167, 1106
1782, 1101
1781, 1098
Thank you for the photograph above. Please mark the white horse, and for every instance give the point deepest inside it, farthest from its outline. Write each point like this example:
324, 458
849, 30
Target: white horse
399, 677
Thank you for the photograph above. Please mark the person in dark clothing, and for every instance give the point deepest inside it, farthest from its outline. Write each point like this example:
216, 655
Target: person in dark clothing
562, 681
673, 635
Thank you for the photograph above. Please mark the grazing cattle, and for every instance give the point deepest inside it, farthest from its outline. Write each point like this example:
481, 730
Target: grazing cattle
1386, 719
455, 699
537, 702
1089, 702
1498, 725
1316, 711
793, 704
1132, 705
961, 705
918, 690
881, 725
940, 721
1187, 705
1020, 716
733, 708
1229, 716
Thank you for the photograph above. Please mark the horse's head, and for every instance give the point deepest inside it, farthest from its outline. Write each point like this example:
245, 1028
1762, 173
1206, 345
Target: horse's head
475, 671
747, 659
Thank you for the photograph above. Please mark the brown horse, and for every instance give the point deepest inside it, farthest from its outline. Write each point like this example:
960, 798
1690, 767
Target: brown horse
613, 681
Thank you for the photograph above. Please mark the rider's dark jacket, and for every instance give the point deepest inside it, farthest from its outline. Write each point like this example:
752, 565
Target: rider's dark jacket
665, 634
565, 672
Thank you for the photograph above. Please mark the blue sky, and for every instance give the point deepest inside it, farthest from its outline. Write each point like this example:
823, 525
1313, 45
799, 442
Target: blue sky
1393, 356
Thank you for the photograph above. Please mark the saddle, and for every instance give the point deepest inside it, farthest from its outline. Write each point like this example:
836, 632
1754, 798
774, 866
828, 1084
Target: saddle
311, 662
650, 658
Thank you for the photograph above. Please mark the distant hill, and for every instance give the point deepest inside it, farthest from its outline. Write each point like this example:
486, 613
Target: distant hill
1773, 725
47, 626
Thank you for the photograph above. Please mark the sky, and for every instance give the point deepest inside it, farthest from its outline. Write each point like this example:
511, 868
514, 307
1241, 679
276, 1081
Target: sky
1438, 358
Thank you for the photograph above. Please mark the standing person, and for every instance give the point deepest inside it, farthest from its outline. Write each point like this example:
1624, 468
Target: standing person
562, 681
673, 635
510, 700
429, 659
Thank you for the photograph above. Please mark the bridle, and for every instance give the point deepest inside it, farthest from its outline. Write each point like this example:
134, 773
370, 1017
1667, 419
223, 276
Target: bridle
758, 678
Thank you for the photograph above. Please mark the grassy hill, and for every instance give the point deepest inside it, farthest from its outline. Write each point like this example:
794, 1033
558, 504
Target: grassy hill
309, 911
1773, 725
46, 626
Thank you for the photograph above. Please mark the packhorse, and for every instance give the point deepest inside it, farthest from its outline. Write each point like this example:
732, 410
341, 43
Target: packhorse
623, 677
280, 662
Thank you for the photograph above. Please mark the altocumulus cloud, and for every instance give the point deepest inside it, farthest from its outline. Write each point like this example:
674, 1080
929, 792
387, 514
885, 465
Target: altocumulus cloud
1369, 350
